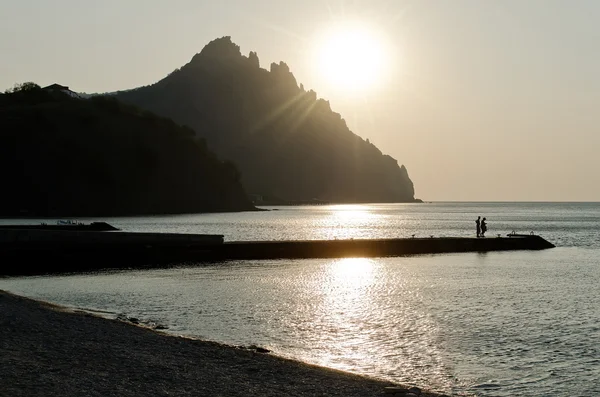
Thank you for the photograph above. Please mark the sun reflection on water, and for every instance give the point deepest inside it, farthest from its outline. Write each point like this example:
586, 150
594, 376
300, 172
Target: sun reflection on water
353, 273
350, 211
352, 328
346, 221
346, 306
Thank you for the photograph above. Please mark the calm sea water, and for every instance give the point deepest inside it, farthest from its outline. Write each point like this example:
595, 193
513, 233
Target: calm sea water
496, 324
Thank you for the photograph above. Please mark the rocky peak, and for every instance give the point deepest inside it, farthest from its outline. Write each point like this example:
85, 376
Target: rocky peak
281, 71
221, 48
253, 57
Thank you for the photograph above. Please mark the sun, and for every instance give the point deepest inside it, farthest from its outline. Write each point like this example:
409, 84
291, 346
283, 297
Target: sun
351, 57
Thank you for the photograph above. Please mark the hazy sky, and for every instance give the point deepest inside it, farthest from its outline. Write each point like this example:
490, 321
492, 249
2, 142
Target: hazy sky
480, 100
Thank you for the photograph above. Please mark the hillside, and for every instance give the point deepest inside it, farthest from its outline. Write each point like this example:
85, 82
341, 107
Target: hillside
288, 144
63, 157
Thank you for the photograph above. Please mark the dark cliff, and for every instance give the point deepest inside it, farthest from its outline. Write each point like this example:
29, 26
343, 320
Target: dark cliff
61, 156
287, 143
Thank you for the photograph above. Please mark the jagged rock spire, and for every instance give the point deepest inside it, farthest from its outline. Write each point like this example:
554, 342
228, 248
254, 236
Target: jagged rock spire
222, 48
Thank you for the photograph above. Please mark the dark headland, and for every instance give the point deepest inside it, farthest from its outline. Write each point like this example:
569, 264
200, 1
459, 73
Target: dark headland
62, 156
288, 143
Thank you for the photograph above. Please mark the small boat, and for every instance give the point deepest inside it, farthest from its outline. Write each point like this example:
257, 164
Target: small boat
67, 222
515, 234
65, 225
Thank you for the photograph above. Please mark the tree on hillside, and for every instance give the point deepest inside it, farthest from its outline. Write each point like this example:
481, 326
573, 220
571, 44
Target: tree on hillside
22, 87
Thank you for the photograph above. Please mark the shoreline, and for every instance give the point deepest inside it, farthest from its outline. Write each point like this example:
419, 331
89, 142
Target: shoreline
50, 350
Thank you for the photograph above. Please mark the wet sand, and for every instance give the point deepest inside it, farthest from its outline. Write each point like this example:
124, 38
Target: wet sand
48, 350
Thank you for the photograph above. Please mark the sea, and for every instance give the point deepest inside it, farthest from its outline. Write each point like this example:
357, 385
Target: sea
519, 323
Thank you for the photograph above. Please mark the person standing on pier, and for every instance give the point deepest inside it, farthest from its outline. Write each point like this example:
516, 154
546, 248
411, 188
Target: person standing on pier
483, 227
478, 223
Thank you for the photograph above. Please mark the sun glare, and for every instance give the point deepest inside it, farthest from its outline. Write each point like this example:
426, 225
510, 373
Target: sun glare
351, 57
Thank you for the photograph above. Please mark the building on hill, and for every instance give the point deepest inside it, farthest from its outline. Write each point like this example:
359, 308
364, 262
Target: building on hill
256, 198
57, 88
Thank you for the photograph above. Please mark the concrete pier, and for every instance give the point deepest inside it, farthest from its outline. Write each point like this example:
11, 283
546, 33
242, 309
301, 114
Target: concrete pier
50, 252
374, 247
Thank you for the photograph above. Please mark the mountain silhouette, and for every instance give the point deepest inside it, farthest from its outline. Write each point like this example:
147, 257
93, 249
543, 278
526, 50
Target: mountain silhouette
288, 144
64, 156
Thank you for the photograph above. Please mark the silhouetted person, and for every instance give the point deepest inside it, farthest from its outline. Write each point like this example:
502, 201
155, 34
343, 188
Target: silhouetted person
483, 227
478, 223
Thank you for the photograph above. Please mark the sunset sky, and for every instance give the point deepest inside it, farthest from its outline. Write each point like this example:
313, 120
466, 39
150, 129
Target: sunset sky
480, 100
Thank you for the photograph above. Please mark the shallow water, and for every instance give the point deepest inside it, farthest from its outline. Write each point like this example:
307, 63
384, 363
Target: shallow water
497, 324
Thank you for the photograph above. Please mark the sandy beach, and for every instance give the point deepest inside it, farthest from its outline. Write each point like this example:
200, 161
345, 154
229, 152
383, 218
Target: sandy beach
48, 350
